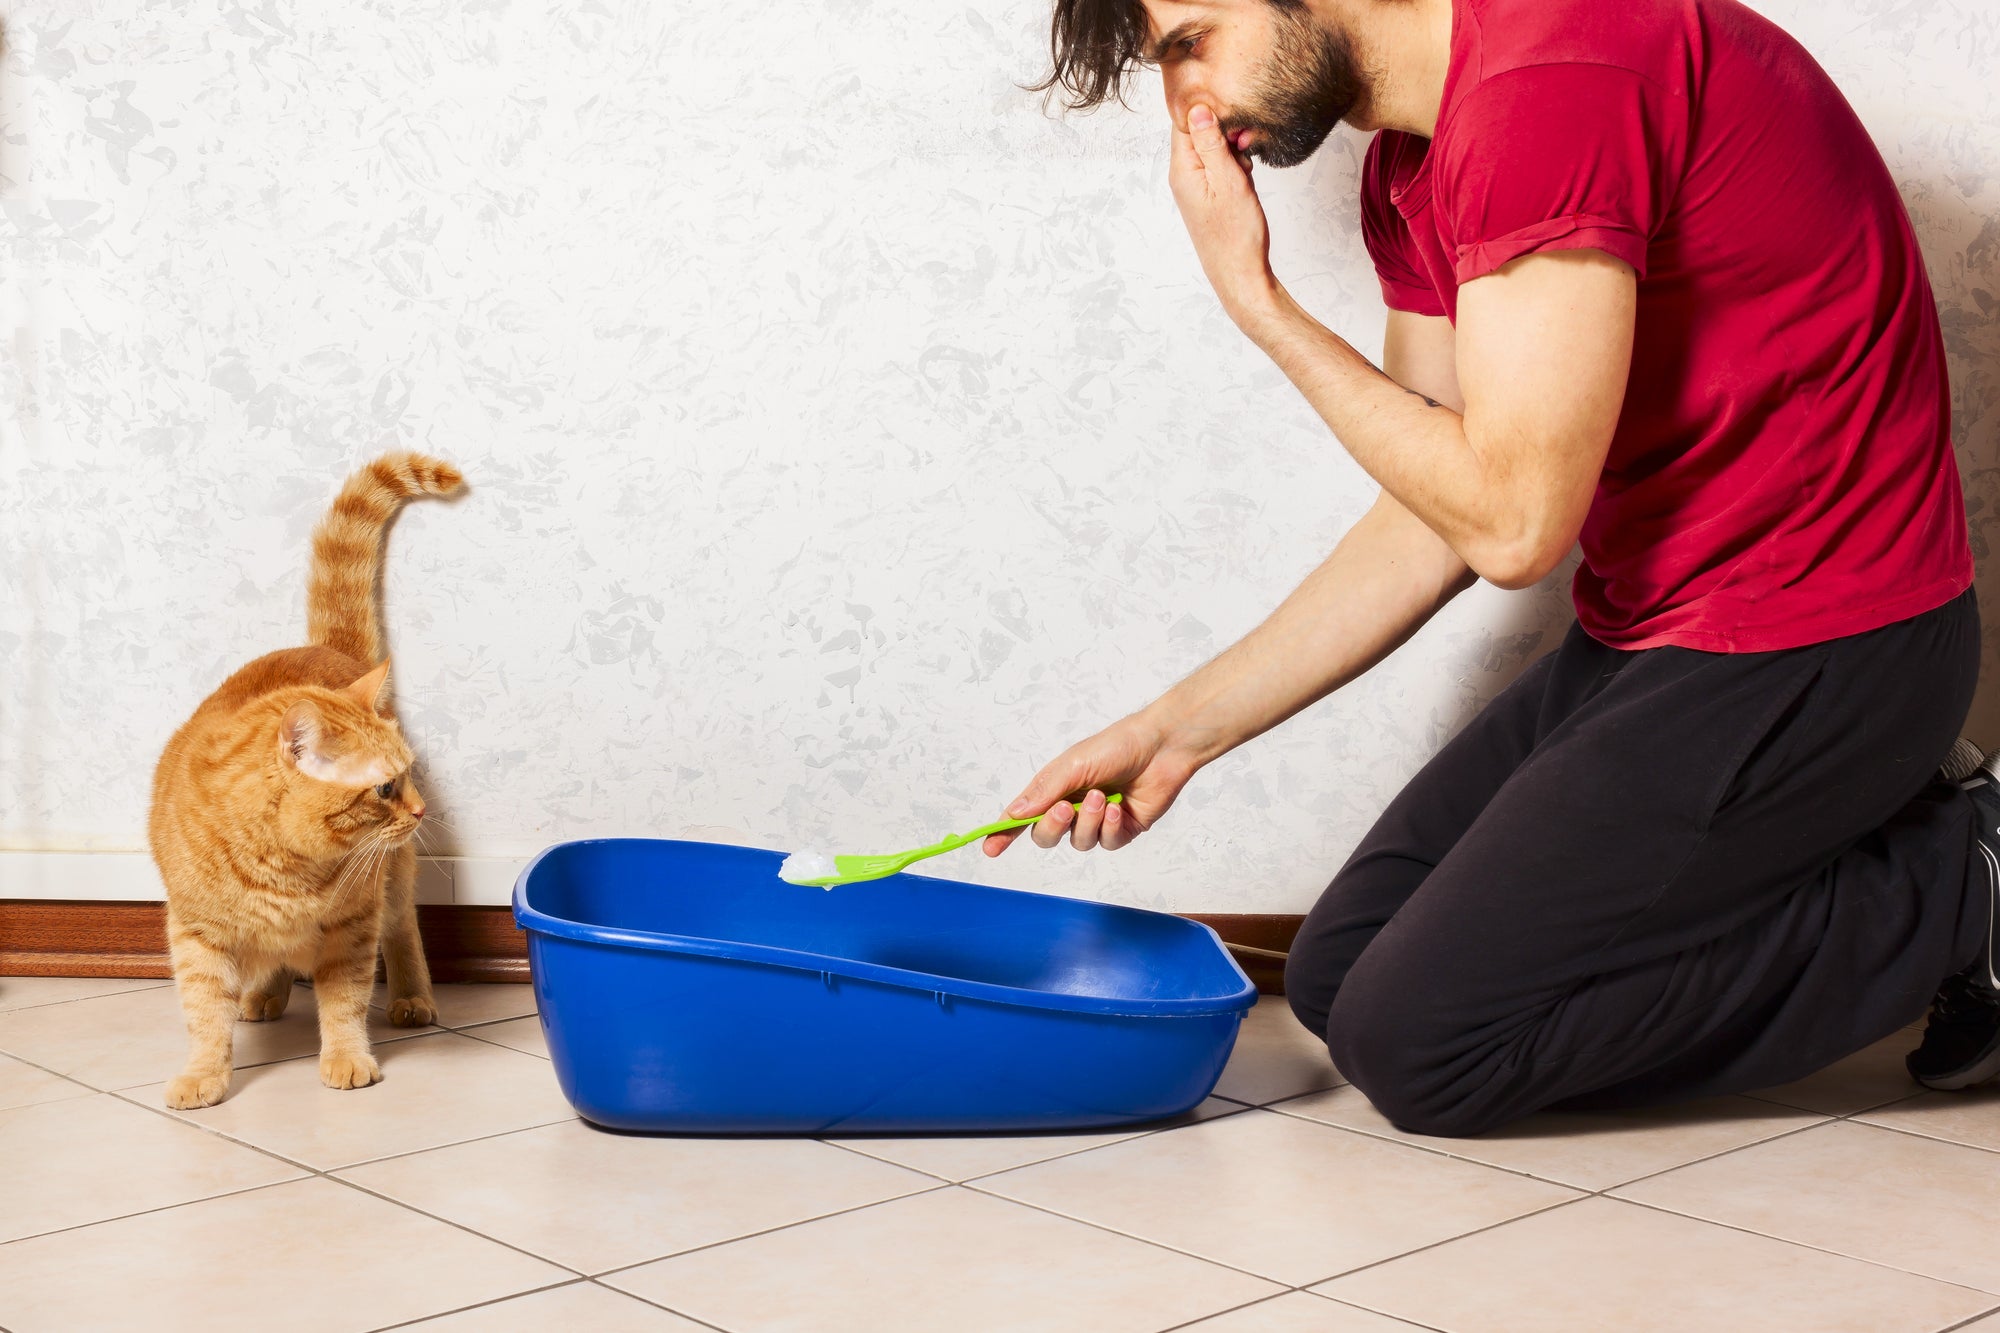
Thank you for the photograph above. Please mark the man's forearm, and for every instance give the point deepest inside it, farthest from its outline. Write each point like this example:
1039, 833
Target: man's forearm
1387, 577
1414, 447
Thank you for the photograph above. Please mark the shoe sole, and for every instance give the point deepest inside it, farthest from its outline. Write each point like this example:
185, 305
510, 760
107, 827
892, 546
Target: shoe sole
1983, 1070
1963, 760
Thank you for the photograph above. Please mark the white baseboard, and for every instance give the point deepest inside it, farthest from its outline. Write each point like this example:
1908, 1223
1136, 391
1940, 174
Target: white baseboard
130, 877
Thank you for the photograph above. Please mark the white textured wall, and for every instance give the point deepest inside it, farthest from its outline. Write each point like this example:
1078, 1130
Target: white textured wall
846, 436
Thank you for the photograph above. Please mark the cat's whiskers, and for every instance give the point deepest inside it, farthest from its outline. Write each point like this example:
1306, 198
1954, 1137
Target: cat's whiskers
366, 851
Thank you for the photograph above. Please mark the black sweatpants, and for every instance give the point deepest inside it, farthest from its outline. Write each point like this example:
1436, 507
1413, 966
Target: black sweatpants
1644, 876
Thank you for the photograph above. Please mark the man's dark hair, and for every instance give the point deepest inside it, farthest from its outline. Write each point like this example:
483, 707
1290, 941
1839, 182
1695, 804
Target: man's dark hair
1095, 44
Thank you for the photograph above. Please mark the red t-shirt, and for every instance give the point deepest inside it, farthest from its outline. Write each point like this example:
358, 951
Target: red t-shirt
1782, 471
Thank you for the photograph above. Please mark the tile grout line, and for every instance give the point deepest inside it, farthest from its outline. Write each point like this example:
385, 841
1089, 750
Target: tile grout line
52, 1074
126, 1095
766, 1231
166, 1114
74, 999
1825, 1118
1262, 1277
1295, 1291
400, 1034
1128, 1137
886, 1162
1350, 1305
181, 1119
1522, 1172
657, 1306
1807, 1245
1883, 1106
1928, 1138
441, 1147
499, 1045
1821, 1123
1448, 1240
1726, 1152
147, 1212
1837, 1115
1234, 1309
480, 1305
640, 1263
460, 1226
310, 1171
1969, 1322
314, 1172
489, 1022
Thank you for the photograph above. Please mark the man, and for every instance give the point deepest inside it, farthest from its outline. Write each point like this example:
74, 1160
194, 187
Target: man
1650, 287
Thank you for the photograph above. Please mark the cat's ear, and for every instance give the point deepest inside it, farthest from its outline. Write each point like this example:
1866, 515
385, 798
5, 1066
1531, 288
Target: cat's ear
298, 739
372, 690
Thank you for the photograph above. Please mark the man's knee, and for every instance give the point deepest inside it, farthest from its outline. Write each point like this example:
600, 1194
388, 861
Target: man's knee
1414, 1073
1312, 980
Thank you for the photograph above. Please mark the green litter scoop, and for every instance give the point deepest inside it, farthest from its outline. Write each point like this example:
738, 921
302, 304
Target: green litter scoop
822, 871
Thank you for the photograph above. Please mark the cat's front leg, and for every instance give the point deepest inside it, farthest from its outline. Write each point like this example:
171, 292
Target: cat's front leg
410, 1002
343, 982
205, 980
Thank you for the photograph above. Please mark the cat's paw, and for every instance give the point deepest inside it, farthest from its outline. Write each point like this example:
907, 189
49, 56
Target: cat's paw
259, 1007
412, 1011
188, 1092
353, 1070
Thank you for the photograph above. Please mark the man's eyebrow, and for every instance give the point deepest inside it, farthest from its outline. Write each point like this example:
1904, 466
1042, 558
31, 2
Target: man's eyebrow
1158, 51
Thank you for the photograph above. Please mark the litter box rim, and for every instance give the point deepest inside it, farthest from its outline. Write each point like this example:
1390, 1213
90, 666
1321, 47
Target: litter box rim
534, 920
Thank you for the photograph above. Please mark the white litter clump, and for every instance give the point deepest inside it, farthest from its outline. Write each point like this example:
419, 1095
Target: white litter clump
807, 866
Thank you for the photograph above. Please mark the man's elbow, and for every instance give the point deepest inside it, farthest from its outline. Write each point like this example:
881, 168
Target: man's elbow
1520, 563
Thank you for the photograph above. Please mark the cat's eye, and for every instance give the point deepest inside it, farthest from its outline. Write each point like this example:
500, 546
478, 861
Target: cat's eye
386, 790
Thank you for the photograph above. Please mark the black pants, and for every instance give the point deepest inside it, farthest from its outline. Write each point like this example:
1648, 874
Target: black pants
1644, 876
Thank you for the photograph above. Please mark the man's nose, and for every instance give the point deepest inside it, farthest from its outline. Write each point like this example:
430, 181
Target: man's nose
1181, 93
1182, 100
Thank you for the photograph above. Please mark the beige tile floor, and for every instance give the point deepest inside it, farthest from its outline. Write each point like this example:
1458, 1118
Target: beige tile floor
462, 1195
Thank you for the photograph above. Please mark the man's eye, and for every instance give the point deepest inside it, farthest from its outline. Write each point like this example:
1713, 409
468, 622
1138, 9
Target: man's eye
1188, 44
386, 790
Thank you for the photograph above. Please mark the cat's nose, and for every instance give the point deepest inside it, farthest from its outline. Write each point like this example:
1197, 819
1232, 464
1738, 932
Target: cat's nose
417, 810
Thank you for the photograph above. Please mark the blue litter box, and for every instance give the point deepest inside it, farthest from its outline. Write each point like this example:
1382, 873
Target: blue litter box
685, 988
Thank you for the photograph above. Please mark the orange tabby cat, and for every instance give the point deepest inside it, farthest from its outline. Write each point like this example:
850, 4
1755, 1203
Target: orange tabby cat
282, 817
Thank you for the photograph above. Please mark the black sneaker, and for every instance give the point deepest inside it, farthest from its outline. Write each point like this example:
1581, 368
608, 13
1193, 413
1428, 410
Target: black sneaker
1963, 761
1961, 1047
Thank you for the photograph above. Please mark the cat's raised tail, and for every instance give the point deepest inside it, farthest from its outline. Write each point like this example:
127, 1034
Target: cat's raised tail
343, 611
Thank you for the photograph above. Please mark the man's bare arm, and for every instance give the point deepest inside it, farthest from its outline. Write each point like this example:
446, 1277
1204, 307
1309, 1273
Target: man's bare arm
1387, 576
1543, 349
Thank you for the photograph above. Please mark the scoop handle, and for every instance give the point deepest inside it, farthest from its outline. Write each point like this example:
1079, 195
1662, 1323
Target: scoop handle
989, 829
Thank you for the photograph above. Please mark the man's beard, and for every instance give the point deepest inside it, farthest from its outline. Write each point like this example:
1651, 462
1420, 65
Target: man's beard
1310, 85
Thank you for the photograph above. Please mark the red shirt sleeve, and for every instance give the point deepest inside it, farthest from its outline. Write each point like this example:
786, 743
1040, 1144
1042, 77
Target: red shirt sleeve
1386, 233
1557, 157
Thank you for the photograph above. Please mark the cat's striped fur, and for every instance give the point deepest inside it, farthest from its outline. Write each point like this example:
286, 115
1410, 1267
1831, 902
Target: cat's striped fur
283, 814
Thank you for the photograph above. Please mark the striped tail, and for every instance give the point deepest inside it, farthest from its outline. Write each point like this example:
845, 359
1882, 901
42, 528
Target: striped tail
343, 611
